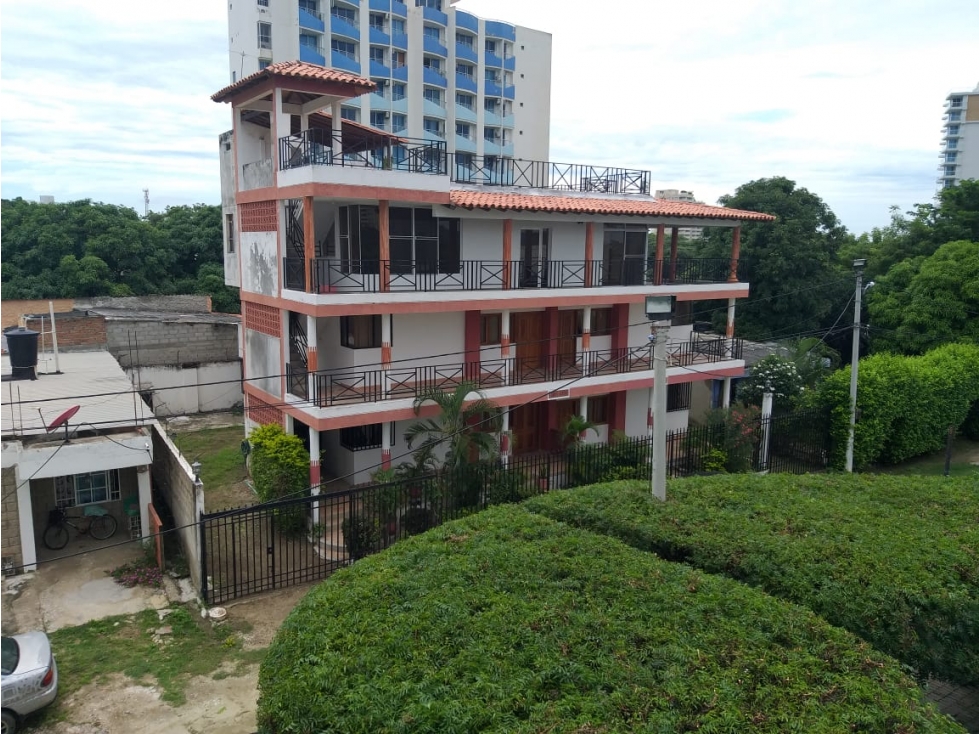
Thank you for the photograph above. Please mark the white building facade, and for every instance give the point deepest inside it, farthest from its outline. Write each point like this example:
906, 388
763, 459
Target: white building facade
481, 86
960, 139
372, 268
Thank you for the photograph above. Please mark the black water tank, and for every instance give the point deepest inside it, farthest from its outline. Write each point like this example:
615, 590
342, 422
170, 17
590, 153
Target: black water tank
22, 347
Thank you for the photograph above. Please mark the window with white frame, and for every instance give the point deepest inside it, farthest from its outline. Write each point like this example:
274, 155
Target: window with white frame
430, 62
397, 91
263, 3
397, 27
955, 102
86, 489
423, 242
434, 95
265, 35
347, 14
377, 21
464, 39
466, 70
378, 54
399, 123
310, 40
264, 64
464, 130
466, 100
230, 230
346, 48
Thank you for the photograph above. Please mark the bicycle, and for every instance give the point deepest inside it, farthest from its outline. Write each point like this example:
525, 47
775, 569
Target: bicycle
101, 525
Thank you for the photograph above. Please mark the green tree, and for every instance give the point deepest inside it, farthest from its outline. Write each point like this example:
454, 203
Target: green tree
783, 259
465, 426
925, 301
280, 470
774, 373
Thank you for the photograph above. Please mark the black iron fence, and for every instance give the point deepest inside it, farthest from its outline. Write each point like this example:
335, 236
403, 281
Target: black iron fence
332, 275
252, 549
324, 147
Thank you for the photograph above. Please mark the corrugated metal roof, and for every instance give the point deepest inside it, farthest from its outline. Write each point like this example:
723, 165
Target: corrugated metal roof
82, 374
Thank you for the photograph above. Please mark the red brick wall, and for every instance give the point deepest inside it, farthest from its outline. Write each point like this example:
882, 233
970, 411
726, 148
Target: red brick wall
259, 317
259, 216
261, 412
74, 330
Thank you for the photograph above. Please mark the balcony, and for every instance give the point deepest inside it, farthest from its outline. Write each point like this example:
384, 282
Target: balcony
496, 29
493, 60
468, 21
315, 147
558, 176
434, 77
381, 6
435, 16
509, 92
345, 387
330, 275
399, 9
311, 55
378, 69
464, 144
400, 73
492, 88
510, 63
399, 40
465, 114
465, 83
433, 109
344, 61
340, 26
379, 37
434, 46
465, 52
491, 118
312, 20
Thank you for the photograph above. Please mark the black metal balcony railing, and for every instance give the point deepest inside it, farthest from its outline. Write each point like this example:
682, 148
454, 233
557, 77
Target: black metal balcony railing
375, 276
320, 146
297, 379
367, 386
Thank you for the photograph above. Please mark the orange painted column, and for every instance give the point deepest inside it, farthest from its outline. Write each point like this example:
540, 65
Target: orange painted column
660, 234
617, 408
507, 251
309, 240
735, 255
589, 252
674, 245
384, 237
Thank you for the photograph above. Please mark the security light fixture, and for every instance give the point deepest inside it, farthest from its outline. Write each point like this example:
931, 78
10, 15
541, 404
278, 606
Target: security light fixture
660, 308
859, 263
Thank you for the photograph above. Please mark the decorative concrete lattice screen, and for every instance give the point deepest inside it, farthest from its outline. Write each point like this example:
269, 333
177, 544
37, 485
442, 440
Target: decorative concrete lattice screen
258, 216
259, 317
261, 412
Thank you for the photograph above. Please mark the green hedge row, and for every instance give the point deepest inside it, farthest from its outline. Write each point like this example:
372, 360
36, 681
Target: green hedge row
506, 621
906, 404
894, 560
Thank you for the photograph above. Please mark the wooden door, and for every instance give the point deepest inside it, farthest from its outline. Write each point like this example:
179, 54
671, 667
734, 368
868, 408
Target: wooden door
527, 330
567, 343
525, 427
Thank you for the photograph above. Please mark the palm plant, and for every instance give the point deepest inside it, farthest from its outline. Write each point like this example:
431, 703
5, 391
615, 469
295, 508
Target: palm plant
465, 428
572, 434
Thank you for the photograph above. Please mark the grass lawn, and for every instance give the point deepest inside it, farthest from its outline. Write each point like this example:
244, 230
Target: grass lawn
127, 645
222, 465
965, 455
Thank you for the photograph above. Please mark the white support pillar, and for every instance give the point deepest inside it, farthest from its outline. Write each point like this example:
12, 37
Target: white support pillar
766, 427
28, 543
729, 331
145, 500
726, 393
290, 425
337, 120
586, 329
386, 444
314, 460
505, 348
505, 439
312, 359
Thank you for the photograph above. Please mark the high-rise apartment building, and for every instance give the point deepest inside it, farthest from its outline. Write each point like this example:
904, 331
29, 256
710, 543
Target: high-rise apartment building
441, 74
373, 268
690, 233
960, 138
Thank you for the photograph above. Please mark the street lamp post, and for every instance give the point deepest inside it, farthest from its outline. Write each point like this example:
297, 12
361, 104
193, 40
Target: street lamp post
858, 266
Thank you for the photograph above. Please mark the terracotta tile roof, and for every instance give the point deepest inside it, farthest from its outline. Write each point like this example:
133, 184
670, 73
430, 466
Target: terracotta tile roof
633, 207
297, 70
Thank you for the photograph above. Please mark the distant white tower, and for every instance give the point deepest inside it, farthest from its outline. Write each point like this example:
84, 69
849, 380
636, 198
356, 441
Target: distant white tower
146, 202
46, 199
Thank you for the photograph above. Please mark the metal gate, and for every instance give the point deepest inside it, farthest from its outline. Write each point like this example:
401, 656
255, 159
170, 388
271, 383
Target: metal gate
253, 549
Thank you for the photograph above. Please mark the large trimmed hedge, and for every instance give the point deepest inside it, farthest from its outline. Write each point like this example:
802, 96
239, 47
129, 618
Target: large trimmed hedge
894, 560
906, 404
506, 621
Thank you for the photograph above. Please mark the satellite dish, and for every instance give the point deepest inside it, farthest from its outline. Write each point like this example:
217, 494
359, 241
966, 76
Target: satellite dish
61, 420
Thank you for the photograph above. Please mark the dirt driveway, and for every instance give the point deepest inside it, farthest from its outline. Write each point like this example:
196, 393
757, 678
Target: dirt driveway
222, 703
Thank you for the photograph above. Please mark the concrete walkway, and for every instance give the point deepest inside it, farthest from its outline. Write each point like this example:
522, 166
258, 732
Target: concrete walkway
959, 702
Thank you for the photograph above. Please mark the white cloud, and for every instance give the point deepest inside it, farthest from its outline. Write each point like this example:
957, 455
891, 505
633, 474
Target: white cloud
100, 100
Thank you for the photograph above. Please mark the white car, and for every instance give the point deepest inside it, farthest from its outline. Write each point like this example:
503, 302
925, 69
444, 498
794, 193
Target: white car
30, 677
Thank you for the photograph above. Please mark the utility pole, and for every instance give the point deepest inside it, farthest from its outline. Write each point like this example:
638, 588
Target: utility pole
659, 310
858, 266
146, 202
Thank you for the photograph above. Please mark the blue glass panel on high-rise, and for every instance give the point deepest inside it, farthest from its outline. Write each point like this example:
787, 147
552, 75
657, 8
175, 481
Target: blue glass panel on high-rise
382, 6
493, 60
379, 69
379, 37
510, 63
509, 92
342, 27
310, 55
465, 82
492, 89
468, 21
400, 73
432, 46
496, 29
341, 61
430, 76
398, 8
436, 16
465, 52
308, 20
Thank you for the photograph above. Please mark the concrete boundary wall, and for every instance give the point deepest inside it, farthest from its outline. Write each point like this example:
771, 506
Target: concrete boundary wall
174, 480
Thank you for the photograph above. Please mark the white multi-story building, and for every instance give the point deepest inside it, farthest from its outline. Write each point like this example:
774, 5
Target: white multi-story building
482, 87
372, 267
690, 233
960, 138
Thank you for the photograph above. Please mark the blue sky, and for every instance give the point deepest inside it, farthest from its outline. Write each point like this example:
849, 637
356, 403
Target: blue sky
100, 100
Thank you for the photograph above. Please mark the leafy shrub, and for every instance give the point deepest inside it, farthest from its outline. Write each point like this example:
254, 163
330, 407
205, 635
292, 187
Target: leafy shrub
905, 403
508, 485
361, 535
143, 572
417, 520
510, 622
715, 461
280, 469
894, 560
589, 463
